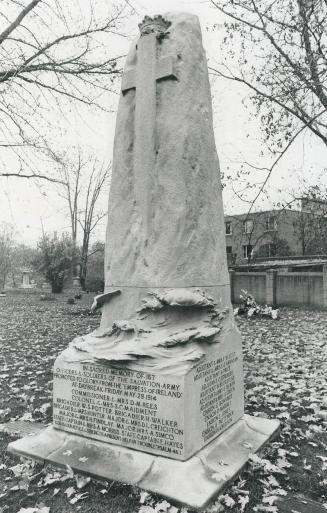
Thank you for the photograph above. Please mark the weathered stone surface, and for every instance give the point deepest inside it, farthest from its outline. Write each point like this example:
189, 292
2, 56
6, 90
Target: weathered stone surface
193, 482
169, 333
166, 319
172, 412
177, 240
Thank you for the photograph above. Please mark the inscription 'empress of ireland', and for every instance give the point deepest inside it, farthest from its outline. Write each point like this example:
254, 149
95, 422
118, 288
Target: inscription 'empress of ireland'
150, 412
134, 409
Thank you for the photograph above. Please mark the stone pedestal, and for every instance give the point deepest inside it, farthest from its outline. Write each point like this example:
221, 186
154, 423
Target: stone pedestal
26, 280
76, 282
169, 414
46, 287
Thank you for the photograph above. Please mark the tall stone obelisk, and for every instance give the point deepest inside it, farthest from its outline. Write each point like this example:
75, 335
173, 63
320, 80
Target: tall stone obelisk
165, 222
155, 396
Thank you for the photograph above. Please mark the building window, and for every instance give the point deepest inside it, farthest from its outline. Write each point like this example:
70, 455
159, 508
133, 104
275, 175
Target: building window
228, 228
246, 251
271, 223
248, 226
231, 257
271, 250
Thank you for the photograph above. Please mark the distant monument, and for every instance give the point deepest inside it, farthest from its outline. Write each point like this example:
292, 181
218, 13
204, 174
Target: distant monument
155, 396
27, 282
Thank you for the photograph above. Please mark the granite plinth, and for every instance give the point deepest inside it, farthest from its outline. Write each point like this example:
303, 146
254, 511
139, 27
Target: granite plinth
173, 415
193, 482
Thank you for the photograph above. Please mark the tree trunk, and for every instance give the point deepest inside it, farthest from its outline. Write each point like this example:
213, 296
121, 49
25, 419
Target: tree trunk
56, 287
83, 267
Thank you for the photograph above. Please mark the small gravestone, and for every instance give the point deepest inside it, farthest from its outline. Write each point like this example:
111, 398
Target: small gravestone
46, 287
154, 398
26, 279
76, 283
47, 297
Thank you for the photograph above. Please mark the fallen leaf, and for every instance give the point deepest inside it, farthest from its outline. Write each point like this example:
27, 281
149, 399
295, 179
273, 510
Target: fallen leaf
70, 491
81, 481
143, 497
78, 497
162, 506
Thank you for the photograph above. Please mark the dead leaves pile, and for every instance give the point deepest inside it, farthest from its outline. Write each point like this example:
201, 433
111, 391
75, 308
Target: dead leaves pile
285, 368
32, 334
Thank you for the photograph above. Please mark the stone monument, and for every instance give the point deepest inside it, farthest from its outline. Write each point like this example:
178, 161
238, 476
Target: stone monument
26, 279
155, 396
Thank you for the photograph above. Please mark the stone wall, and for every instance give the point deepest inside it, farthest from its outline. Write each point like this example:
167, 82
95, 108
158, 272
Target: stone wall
254, 283
300, 289
282, 288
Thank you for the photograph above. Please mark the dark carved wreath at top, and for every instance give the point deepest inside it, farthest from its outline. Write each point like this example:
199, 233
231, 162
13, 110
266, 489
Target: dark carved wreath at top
156, 25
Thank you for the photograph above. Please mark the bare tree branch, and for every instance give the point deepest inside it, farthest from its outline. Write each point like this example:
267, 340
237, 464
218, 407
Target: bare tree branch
34, 176
53, 58
277, 50
18, 20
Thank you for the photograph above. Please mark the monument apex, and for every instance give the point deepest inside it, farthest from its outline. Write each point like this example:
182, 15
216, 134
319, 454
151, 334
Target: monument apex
165, 205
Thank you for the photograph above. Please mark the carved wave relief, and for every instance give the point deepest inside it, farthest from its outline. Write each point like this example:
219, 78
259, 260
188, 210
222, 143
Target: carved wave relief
169, 333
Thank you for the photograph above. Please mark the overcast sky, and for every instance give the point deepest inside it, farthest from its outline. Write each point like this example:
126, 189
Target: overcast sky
28, 206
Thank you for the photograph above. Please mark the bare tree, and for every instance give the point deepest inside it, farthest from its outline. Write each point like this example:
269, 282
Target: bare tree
95, 267
83, 181
311, 225
6, 252
53, 55
277, 49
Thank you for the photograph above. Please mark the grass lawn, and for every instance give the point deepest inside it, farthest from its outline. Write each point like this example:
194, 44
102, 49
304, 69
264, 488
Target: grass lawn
285, 368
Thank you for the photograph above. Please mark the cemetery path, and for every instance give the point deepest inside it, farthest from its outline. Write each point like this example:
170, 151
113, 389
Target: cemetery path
285, 377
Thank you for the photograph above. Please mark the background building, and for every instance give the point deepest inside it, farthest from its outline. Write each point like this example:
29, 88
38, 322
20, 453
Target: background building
279, 232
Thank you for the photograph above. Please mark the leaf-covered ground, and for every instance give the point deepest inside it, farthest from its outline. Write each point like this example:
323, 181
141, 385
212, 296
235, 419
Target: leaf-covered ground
285, 366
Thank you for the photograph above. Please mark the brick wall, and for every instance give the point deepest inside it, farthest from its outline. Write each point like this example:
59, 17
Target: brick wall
261, 234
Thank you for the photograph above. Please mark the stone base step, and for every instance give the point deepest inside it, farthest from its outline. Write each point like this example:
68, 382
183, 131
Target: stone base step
192, 483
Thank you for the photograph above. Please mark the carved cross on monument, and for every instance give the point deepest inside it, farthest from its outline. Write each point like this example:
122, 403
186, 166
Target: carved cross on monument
143, 78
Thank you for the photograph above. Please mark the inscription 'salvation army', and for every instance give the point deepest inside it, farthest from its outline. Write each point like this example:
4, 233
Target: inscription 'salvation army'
139, 409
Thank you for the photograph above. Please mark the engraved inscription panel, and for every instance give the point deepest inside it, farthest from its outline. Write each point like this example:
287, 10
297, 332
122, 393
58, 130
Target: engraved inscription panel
218, 384
135, 409
169, 415
214, 393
